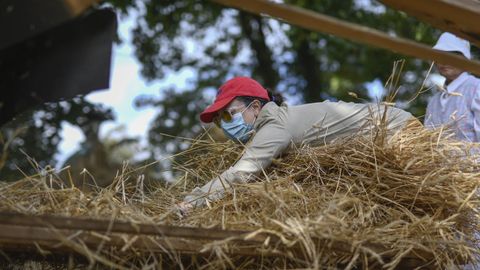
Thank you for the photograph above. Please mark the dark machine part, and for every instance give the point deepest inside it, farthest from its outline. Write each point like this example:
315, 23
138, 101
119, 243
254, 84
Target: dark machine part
66, 56
24, 19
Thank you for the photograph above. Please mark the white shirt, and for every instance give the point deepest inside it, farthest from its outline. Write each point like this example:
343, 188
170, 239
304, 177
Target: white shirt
459, 106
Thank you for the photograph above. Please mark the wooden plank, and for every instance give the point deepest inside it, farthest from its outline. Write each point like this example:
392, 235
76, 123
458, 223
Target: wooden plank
24, 238
321, 23
55, 239
460, 17
18, 230
73, 223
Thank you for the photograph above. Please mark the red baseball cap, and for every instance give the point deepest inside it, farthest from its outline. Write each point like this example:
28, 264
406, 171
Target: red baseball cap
236, 87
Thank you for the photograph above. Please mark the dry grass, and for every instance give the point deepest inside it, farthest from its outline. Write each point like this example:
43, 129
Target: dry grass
355, 202
366, 201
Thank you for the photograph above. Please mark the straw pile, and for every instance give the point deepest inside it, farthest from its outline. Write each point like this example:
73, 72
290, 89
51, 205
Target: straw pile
360, 202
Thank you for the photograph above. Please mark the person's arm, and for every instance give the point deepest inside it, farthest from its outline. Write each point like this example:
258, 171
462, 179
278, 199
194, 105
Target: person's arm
427, 121
476, 113
268, 143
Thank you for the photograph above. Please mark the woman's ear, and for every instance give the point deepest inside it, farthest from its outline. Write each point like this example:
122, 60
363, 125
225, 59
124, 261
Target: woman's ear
257, 107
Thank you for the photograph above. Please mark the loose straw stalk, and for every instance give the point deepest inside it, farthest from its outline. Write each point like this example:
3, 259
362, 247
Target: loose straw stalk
383, 202
369, 201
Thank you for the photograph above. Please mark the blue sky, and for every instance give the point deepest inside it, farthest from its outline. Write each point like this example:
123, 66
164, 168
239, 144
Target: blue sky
126, 83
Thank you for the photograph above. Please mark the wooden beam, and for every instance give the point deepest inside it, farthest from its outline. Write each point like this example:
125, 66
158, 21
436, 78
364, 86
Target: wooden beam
19, 231
73, 223
77, 7
17, 238
321, 23
14, 237
460, 17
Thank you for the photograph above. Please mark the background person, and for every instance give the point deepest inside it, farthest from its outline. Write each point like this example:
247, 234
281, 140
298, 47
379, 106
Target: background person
457, 103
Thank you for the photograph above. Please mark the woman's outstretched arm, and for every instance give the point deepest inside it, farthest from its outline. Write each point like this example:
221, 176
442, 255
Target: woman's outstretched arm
268, 143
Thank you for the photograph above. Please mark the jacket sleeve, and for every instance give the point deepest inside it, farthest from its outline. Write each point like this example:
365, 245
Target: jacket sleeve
427, 120
432, 110
476, 113
269, 142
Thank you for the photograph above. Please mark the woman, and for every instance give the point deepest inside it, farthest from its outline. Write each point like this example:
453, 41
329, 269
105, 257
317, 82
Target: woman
247, 112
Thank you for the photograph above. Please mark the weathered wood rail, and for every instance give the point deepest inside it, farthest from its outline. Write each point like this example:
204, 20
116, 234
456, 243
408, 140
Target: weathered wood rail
82, 236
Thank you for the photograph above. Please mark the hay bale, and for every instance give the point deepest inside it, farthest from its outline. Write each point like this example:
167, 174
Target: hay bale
361, 201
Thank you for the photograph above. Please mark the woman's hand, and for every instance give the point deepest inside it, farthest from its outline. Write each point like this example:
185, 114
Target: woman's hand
184, 208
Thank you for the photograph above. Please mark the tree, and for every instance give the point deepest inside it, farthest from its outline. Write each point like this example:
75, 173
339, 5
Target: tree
218, 42
30, 142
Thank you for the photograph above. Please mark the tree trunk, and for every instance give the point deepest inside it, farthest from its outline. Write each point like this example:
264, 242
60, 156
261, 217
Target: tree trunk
309, 69
252, 26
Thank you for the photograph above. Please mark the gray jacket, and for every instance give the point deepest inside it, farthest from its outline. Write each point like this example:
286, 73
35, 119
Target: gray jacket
279, 127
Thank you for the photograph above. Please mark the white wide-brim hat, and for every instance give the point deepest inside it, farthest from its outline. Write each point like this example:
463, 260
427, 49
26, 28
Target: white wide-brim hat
450, 43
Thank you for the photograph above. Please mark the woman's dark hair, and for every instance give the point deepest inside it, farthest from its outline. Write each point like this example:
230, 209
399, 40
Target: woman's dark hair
275, 97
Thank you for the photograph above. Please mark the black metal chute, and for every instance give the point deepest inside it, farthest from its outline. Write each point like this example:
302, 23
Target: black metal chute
70, 58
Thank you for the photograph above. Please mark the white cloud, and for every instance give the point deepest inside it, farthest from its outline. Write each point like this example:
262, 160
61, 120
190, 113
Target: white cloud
139, 125
72, 137
125, 85
116, 95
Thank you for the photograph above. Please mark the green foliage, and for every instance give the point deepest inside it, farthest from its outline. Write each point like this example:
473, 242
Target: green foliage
30, 142
218, 42
178, 115
345, 66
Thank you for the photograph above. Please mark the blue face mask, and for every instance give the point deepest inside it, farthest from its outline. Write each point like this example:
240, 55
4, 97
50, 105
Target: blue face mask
237, 129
